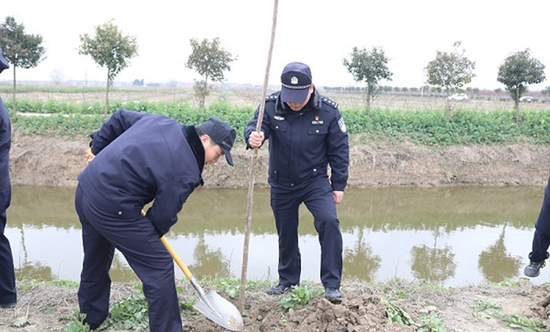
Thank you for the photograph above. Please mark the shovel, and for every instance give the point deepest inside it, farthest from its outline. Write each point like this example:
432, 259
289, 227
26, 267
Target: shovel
211, 304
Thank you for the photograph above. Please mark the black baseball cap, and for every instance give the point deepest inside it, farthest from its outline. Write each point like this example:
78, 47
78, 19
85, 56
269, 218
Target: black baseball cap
295, 82
3, 63
222, 134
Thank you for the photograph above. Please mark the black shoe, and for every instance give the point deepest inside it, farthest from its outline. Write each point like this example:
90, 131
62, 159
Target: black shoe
533, 269
278, 290
333, 295
8, 305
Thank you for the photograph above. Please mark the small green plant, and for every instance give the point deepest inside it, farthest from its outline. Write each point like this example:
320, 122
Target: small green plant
27, 284
299, 295
483, 308
20, 322
76, 324
397, 315
400, 293
508, 283
494, 310
232, 287
130, 314
431, 323
188, 307
525, 324
284, 319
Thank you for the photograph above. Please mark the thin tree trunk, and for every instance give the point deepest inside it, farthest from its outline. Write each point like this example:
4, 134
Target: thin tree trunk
107, 96
13, 104
368, 106
204, 92
367, 98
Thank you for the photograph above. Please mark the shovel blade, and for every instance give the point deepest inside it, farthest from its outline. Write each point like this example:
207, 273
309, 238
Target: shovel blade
220, 311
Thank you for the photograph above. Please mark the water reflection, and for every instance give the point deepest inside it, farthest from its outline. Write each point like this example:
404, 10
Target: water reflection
209, 262
496, 263
433, 264
360, 262
452, 235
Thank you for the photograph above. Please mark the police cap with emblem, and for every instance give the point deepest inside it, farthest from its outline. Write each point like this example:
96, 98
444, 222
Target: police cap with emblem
295, 82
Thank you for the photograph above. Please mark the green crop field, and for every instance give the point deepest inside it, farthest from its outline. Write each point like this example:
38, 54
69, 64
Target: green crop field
482, 119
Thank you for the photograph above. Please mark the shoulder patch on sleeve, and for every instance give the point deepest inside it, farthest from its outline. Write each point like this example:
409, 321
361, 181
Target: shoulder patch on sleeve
342, 125
329, 102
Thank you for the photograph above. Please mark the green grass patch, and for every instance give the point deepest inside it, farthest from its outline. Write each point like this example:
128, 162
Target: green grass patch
425, 127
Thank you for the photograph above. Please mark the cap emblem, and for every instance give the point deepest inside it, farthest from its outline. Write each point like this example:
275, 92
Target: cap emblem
294, 80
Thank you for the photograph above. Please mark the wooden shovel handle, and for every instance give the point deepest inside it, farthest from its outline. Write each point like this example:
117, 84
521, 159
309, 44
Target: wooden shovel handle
176, 258
174, 255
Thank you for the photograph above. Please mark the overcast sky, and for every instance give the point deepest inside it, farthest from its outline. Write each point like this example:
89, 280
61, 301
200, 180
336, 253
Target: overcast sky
320, 33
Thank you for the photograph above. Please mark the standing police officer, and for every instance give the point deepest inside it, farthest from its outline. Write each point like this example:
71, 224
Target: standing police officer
306, 134
8, 293
139, 158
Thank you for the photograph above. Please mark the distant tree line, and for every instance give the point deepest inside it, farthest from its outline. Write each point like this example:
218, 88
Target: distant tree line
112, 50
448, 72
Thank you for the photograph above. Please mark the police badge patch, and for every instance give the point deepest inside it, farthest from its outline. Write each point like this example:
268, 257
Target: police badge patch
342, 125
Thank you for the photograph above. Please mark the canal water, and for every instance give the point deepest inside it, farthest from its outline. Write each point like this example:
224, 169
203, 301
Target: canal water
455, 236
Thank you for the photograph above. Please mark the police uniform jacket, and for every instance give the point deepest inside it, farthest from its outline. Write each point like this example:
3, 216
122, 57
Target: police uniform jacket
141, 157
5, 144
302, 144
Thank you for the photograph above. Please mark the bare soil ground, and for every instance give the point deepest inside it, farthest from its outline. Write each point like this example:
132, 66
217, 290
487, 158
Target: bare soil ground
49, 308
57, 161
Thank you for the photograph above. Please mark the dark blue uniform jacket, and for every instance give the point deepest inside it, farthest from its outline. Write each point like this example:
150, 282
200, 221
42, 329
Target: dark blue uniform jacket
5, 144
302, 144
141, 158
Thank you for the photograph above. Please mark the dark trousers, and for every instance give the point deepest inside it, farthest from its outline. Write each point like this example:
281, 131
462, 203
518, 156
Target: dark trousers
135, 237
318, 199
8, 292
541, 238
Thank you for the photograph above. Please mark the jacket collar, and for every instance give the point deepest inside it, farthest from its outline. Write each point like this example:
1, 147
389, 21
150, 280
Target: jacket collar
190, 133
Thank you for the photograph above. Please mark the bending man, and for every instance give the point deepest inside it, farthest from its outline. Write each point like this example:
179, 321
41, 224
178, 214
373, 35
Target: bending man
139, 158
